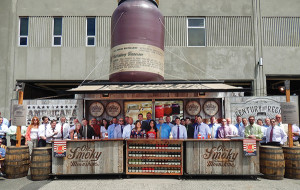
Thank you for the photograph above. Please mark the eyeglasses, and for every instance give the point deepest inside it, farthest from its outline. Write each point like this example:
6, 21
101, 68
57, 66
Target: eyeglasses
278, 117
121, 120
273, 121
34, 119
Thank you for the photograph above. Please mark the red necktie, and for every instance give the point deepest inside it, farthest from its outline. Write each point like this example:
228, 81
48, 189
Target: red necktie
271, 134
62, 131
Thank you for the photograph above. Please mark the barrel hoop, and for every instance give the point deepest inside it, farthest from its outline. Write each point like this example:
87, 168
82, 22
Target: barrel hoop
271, 159
40, 175
16, 148
293, 168
16, 160
17, 153
293, 159
43, 161
270, 152
49, 167
293, 153
16, 165
276, 168
41, 154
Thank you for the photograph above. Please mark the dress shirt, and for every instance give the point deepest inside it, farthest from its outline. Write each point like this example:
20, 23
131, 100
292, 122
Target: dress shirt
170, 124
223, 131
66, 129
278, 135
214, 129
203, 129
127, 132
50, 133
3, 130
241, 131
42, 130
234, 129
295, 129
114, 131
253, 130
238, 125
182, 132
164, 130
5, 122
12, 132
264, 130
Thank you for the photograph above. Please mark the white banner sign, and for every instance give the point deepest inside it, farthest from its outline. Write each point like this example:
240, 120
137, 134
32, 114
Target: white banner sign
289, 112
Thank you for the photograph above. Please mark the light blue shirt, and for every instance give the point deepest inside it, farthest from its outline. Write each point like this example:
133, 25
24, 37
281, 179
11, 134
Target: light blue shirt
6, 122
114, 131
182, 132
170, 124
214, 130
203, 129
165, 130
238, 125
264, 130
127, 132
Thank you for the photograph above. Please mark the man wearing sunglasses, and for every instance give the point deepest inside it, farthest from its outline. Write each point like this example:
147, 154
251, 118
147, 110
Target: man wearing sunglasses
275, 135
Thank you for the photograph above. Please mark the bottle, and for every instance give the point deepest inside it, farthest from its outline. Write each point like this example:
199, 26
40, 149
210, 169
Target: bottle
75, 136
106, 135
171, 136
145, 135
199, 135
209, 136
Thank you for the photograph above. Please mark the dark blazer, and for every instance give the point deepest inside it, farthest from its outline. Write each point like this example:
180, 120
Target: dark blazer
145, 125
90, 131
190, 130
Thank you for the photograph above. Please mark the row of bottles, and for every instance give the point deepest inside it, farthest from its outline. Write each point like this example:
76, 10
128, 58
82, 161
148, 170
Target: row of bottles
154, 162
155, 146
154, 154
153, 170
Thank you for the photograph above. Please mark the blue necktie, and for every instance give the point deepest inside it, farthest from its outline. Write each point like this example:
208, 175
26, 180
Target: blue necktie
178, 132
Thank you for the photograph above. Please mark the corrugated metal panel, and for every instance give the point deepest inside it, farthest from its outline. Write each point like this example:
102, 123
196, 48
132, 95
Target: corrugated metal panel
103, 31
175, 31
40, 31
281, 31
73, 33
229, 31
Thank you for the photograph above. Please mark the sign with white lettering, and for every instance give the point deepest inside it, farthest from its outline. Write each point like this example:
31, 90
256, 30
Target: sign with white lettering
19, 115
289, 112
220, 156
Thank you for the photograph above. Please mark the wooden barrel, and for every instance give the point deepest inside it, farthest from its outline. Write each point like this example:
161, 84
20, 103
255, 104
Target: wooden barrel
41, 163
292, 162
272, 162
16, 162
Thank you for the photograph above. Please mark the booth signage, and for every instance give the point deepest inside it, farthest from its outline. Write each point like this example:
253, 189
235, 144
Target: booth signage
220, 156
289, 112
113, 109
249, 146
84, 156
193, 108
211, 107
96, 109
19, 115
60, 148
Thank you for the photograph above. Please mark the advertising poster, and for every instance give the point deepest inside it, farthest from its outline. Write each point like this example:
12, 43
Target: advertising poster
134, 108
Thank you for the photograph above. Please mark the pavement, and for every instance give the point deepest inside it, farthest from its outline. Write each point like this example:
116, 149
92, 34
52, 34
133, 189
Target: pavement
145, 183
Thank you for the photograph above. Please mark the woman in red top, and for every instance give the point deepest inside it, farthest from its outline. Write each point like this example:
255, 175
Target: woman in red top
152, 130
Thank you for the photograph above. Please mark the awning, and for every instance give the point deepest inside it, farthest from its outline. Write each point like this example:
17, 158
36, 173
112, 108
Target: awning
156, 87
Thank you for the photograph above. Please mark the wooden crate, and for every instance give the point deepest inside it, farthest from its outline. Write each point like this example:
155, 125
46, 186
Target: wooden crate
154, 157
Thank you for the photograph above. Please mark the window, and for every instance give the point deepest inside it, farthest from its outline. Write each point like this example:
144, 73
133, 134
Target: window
90, 31
196, 31
57, 31
23, 33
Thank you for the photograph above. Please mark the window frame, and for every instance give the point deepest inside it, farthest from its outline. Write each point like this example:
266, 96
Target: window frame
55, 36
188, 27
86, 32
23, 36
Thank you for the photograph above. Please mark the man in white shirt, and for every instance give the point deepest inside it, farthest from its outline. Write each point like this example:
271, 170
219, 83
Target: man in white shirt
64, 128
275, 135
232, 127
3, 130
127, 129
42, 132
214, 126
52, 133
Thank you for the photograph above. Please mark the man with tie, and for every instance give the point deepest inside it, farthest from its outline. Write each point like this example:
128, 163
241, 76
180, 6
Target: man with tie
42, 131
96, 127
64, 128
115, 130
128, 128
168, 121
275, 135
285, 127
214, 126
179, 131
144, 123
189, 127
52, 133
201, 128
242, 127
239, 122
86, 131
224, 130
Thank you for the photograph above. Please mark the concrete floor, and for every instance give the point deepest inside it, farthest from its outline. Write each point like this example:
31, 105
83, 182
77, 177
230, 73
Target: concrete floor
145, 183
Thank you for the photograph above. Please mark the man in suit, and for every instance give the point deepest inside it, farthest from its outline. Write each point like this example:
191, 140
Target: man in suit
86, 130
189, 127
144, 123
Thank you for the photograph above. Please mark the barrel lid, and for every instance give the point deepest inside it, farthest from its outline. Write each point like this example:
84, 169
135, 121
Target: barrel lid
154, 1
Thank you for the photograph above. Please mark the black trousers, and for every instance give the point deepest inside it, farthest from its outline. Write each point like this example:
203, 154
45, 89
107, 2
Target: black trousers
41, 143
14, 142
273, 143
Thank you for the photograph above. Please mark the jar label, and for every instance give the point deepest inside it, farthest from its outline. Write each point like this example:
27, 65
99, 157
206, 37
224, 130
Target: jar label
137, 57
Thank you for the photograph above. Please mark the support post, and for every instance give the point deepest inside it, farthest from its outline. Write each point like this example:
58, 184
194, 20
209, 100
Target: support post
288, 99
19, 127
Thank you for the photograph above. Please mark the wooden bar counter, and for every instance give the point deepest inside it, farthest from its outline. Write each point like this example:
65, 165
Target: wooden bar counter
103, 156
219, 157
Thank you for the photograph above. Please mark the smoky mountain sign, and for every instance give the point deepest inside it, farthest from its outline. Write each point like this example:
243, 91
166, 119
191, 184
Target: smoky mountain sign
90, 157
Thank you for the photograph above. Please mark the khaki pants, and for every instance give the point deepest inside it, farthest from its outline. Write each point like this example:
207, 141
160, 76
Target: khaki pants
296, 143
32, 144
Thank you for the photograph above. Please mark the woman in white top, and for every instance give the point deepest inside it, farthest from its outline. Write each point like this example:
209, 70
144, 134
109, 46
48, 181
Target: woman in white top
32, 134
104, 127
